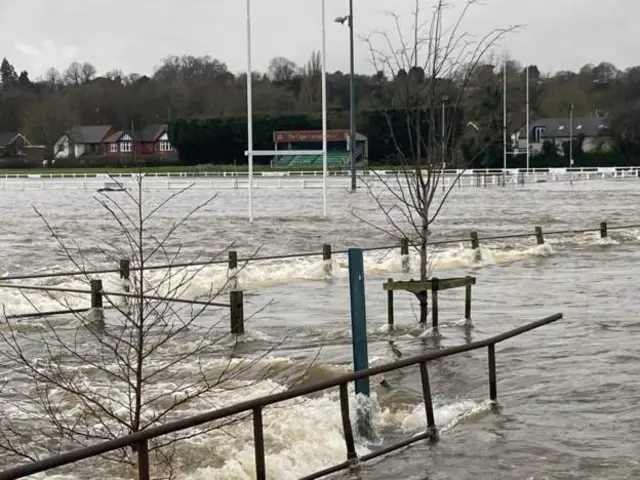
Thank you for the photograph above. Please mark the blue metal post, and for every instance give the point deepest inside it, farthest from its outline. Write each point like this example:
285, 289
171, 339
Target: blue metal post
358, 317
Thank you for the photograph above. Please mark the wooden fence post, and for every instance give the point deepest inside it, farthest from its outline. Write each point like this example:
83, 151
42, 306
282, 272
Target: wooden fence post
125, 269
390, 319
467, 301
233, 260
475, 242
237, 312
96, 293
232, 274
404, 252
603, 230
326, 257
435, 286
539, 236
125, 274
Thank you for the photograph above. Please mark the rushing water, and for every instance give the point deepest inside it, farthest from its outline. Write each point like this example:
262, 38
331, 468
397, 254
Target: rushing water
568, 392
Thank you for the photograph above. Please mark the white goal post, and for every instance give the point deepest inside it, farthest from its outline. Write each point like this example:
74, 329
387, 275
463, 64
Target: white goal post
250, 152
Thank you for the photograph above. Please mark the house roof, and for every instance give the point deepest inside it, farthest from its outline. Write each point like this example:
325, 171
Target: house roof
559, 127
7, 137
151, 133
88, 133
114, 137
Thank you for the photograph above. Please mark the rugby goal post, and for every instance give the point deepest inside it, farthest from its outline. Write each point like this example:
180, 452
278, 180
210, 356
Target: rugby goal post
250, 152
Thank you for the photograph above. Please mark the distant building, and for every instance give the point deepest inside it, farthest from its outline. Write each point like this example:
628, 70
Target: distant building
12, 144
594, 131
153, 139
104, 140
82, 140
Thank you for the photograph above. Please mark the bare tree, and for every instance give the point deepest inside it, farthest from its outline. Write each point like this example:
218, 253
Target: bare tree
422, 105
143, 365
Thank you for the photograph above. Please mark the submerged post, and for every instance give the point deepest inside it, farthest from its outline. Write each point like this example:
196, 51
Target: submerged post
97, 313
125, 269
475, 242
467, 300
493, 388
125, 273
603, 230
237, 312
428, 401
96, 293
326, 257
404, 252
233, 260
435, 286
390, 318
539, 236
359, 335
232, 274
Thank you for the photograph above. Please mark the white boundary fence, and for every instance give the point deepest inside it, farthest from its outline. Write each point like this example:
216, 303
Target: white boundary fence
338, 179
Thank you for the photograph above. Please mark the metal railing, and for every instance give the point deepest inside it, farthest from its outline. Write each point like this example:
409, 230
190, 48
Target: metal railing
337, 171
140, 440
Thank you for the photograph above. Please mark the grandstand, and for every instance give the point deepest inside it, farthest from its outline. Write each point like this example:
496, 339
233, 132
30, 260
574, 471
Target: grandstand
338, 154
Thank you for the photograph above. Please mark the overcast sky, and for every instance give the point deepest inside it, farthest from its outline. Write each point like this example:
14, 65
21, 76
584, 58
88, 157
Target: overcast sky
135, 35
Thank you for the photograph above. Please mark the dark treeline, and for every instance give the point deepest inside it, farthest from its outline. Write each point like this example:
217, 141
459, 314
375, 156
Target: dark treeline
190, 87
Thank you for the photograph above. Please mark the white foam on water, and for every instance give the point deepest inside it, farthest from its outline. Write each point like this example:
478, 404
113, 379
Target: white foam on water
447, 416
302, 435
210, 281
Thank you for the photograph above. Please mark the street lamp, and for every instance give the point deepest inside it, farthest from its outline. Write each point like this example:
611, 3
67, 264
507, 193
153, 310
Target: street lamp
352, 99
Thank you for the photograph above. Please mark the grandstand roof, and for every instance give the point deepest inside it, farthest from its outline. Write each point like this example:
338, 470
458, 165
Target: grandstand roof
295, 136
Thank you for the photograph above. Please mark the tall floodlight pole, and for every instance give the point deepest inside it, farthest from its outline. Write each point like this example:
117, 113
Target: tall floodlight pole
249, 111
527, 87
504, 123
324, 112
352, 95
570, 143
444, 143
352, 101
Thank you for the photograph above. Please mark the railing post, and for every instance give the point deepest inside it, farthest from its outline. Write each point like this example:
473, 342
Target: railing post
326, 257
435, 286
232, 274
467, 300
125, 269
603, 230
233, 260
352, 456
404, 253
493, 388
539, 236
475, 242
143, 460
258, 439
390, 319
237, 312
96, 293
428, 400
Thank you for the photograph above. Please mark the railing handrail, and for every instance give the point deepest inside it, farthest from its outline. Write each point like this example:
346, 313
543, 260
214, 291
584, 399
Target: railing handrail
258, 403
301, 255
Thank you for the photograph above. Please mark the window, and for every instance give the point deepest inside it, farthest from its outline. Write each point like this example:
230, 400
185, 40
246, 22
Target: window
113, 148
125, 147
538, 133
165, 146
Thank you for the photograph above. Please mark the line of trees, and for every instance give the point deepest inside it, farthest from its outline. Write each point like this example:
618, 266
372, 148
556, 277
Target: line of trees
189, 87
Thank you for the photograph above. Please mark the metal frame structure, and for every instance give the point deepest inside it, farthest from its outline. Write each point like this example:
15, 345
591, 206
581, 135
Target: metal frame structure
140, 440
250, 152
